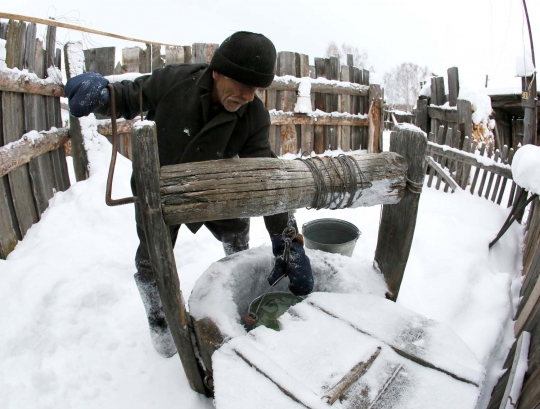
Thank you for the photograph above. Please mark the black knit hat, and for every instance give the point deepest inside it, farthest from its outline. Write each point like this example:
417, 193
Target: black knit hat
246, 57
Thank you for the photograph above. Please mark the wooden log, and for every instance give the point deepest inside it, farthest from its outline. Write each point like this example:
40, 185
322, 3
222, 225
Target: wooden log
232, 188
375, 119
453, 86
30, 146
100, 60
146, 174
350, 377
286, 65
398, 221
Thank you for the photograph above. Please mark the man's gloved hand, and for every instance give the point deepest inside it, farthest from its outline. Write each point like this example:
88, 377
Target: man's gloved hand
86, 92
299, 271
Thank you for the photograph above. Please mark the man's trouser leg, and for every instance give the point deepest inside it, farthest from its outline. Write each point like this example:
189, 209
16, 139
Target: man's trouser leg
234, 234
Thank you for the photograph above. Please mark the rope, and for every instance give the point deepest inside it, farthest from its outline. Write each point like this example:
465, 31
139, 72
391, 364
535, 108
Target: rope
414, 187
346, 181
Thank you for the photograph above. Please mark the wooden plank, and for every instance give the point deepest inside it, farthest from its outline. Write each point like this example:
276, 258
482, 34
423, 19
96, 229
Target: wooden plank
286, 65
100, 60
486, 172
145, 59
461, 175
398, 221
34, 119
437, 92
78, 151
491, 177
188, 54
431, 138
53, 115
422, 114
365, 105
232, 188
320, 103
453, 86
157, 61
477, 171
375, 118
522, 346
130, 59
345, 102
13, 128
442, 114
444, 158
334, 88
146, 175
453, 164
174, 55
532, 301
356, 133
10, 233
508, 161
503, 158
306, 136
444, 175
332, 101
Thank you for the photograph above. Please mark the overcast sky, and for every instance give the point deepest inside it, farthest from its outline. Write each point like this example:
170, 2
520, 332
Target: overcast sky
478, 36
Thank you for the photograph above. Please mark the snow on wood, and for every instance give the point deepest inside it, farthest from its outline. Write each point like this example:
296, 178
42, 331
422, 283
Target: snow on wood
30, 146
14, 80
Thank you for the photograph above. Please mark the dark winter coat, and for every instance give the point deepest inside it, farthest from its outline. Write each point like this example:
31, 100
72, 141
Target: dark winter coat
189, 128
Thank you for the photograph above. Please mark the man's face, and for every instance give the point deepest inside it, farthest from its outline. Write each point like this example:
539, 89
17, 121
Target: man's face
231, 93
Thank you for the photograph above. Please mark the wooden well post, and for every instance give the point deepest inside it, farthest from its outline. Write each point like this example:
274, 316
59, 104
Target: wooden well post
146, 174
398, 221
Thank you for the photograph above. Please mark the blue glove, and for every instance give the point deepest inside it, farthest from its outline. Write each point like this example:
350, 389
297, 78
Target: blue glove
299, 270
86, 92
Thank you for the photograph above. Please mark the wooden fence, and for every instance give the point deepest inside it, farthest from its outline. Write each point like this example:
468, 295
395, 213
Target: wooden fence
527, 324
455, 159
32, 160
26, 190
336, 95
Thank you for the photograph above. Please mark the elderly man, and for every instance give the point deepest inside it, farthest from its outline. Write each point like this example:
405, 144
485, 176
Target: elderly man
202, 112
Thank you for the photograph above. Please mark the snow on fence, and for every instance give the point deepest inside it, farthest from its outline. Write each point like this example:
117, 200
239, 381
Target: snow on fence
29, 102
527, 321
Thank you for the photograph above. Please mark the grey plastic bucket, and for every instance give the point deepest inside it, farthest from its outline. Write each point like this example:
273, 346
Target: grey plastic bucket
331, 235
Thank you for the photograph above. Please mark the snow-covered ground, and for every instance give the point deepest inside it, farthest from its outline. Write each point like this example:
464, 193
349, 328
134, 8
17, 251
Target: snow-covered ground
74, 332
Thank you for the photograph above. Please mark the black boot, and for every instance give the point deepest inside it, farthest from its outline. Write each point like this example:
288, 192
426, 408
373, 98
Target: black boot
159, 329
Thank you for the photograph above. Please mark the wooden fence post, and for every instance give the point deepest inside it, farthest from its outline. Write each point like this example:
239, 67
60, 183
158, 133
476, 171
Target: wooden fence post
146, 173
99, 60
319, 143
398, 221
453, 86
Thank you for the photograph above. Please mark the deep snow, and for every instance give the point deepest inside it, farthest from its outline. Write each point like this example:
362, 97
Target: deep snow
74, 332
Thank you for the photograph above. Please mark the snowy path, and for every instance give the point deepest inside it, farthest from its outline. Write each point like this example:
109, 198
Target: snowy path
74, 333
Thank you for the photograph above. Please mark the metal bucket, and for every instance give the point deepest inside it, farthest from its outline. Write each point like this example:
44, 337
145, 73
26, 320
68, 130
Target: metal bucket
331, 235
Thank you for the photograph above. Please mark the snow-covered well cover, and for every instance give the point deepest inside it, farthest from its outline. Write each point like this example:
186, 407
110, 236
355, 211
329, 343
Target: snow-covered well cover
224, 291
325, 336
